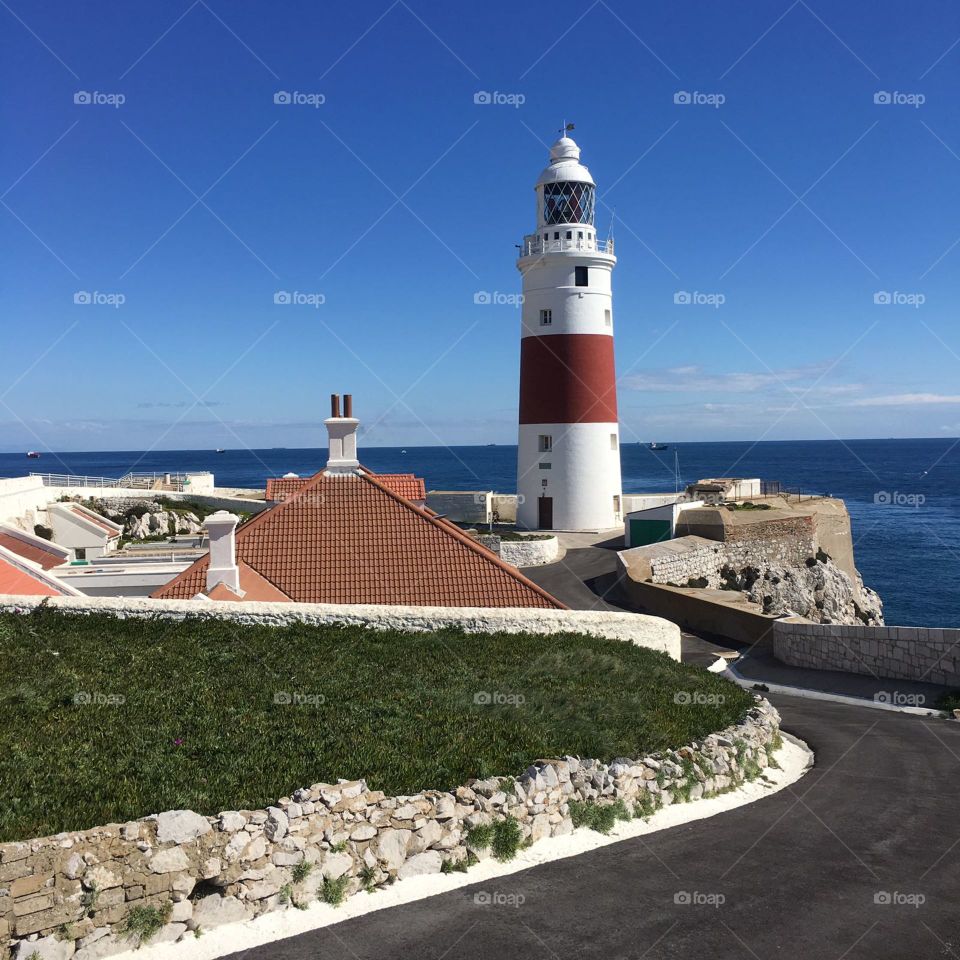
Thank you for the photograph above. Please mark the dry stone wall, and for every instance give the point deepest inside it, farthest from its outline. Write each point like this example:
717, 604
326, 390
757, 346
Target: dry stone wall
83, 895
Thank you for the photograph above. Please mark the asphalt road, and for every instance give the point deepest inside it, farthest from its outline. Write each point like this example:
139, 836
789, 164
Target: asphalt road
799, 872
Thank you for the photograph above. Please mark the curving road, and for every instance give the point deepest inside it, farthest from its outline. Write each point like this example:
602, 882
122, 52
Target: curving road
799, 871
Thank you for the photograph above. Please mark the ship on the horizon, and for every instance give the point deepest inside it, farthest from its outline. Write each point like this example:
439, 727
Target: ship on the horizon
33, 454
653, 445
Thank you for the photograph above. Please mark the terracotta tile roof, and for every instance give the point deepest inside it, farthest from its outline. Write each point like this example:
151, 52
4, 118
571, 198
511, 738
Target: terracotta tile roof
45, 558
407, 485
353, 539
254, 587
19, 580
279, 488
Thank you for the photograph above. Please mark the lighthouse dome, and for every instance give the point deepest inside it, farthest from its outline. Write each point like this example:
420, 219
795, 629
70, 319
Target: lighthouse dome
565, 164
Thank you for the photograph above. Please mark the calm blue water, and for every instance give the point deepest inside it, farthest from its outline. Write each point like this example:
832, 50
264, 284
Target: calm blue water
909, 551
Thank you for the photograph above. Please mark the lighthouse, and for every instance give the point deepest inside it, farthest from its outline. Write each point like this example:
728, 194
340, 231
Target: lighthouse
568, 462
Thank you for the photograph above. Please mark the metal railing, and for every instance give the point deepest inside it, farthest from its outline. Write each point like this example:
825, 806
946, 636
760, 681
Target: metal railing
534, 245
175, 482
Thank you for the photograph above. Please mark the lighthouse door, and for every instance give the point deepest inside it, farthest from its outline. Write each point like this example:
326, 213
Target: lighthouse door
545, 513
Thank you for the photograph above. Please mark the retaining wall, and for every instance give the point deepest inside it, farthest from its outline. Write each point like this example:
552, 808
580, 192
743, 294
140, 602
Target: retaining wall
905, 653
74, 892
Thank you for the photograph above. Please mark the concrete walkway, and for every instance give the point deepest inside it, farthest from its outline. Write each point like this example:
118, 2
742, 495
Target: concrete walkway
835, 866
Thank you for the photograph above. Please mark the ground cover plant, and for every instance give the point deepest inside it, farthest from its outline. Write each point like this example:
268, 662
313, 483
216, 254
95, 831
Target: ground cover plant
104, 720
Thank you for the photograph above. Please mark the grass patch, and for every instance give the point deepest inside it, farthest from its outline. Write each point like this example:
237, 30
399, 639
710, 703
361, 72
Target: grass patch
507, 838
334, 890
480, 837
105, 720
949, 701
143, 923
597, 816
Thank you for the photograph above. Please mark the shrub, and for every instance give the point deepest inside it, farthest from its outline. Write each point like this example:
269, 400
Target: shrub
596, 816
368, 877
334, 890
40, 530
480, 837
506, 839
145, 922
301, 871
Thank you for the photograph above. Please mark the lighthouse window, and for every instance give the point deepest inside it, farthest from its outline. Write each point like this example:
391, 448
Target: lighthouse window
546, 466
546, 318
580, 277
546, 443
613, 441
569, 234
568, 203
606, 317
556, 236
579, 234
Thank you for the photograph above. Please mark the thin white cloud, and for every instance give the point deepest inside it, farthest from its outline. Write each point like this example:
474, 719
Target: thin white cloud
906, 400
690, 378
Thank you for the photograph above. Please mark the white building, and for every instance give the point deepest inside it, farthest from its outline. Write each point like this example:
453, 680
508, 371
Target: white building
84, 533
568, 465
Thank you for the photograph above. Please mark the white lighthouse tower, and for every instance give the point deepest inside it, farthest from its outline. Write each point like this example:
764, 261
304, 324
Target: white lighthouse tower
568, 464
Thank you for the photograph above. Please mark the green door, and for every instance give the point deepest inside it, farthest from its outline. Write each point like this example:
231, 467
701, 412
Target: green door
643, 532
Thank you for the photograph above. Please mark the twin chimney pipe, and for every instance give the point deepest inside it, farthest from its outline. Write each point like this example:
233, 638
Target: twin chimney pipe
335, 405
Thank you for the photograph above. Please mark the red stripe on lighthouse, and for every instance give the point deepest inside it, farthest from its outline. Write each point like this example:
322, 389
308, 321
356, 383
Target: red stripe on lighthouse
568, 378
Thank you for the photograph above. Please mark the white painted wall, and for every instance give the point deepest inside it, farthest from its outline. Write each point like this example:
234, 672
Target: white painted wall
654, 633
583, 479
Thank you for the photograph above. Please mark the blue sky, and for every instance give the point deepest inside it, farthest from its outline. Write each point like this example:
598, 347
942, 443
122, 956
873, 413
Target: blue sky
787, 209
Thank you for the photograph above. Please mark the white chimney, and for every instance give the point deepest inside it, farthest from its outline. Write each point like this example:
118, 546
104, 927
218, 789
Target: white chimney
342, 431
223, 551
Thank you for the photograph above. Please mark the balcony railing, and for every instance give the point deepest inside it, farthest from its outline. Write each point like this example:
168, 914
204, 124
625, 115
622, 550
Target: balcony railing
174, 482
534, 245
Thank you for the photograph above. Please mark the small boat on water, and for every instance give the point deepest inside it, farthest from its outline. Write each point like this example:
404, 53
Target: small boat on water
33, 455
220, 450
658, 446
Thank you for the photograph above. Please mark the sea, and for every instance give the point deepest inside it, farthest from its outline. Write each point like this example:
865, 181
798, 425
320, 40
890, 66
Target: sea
903, 495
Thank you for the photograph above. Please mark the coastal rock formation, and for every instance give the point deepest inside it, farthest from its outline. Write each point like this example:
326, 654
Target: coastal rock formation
161, 522
145, 518
819, 591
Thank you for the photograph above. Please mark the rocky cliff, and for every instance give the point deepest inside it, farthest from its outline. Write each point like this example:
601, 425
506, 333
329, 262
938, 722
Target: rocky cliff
817, 590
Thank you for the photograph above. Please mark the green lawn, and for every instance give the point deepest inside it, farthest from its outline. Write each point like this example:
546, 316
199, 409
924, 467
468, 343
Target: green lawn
203, 723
